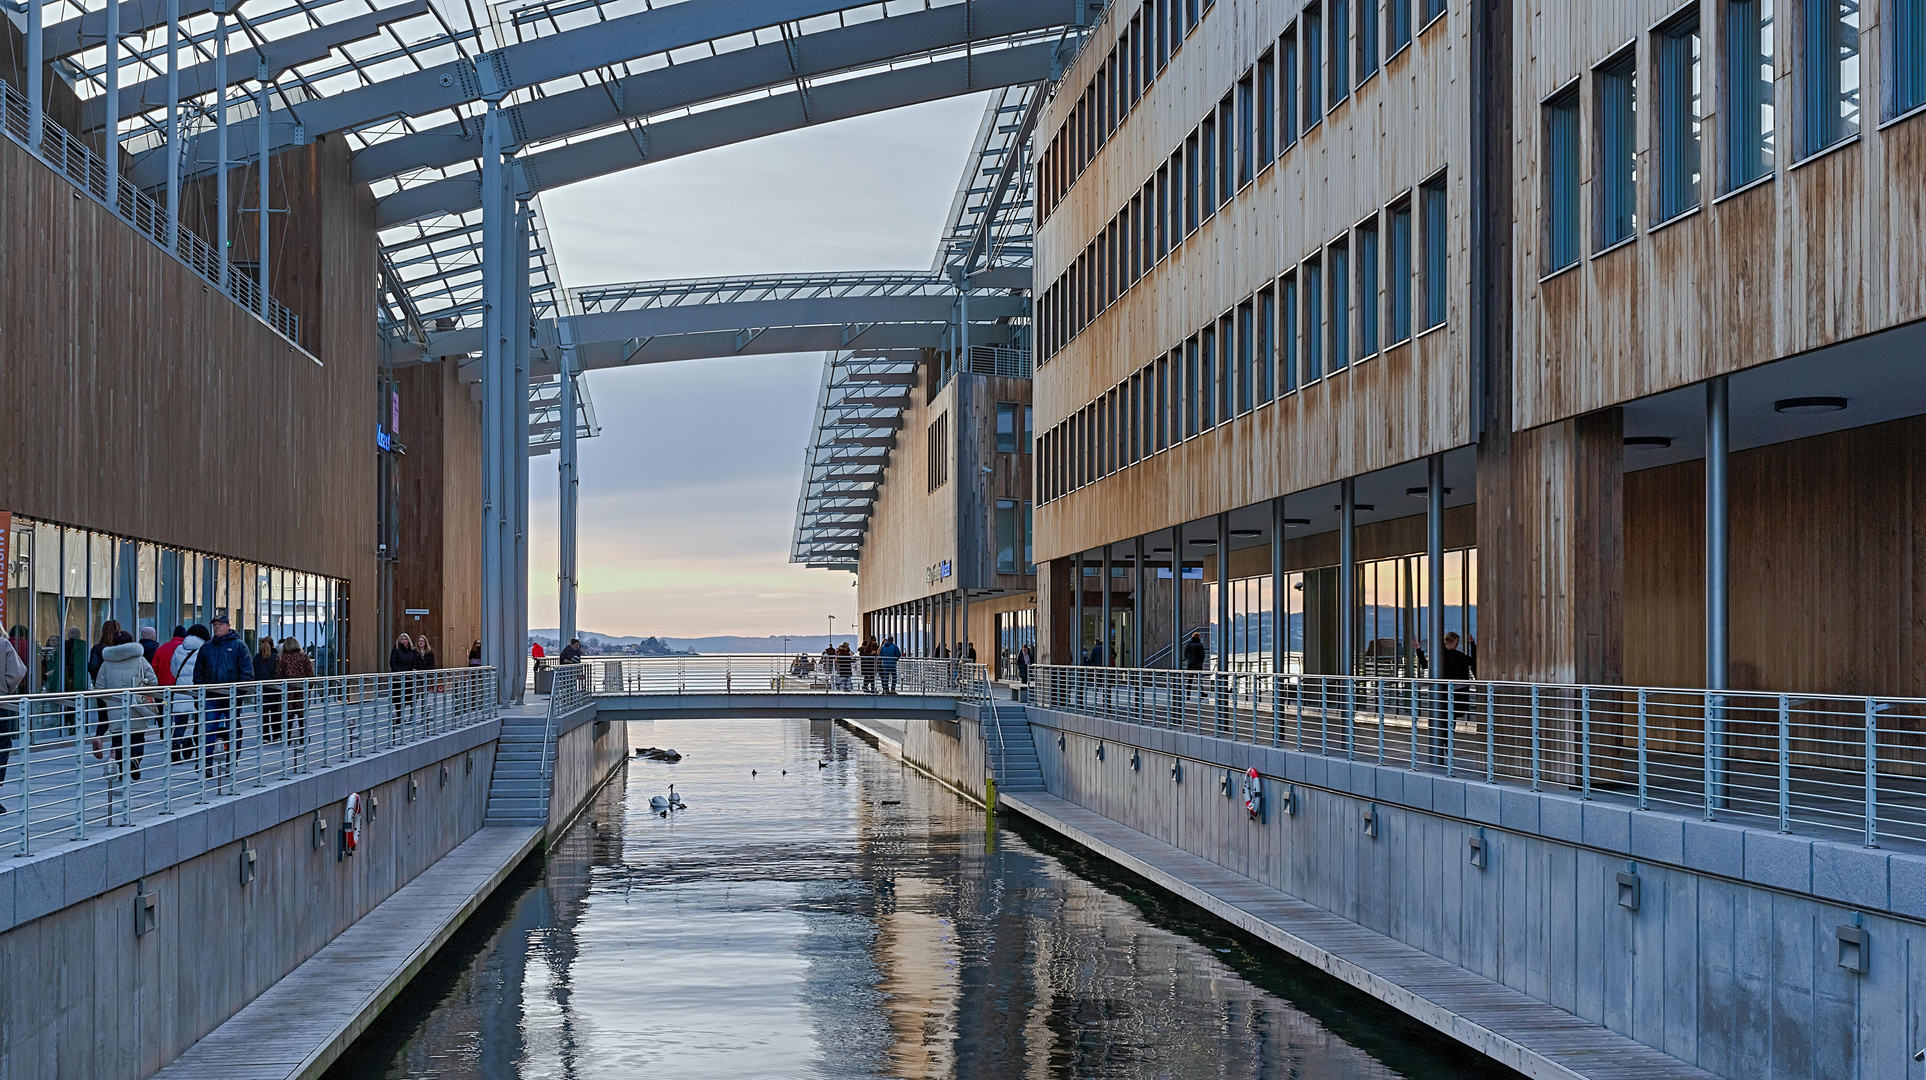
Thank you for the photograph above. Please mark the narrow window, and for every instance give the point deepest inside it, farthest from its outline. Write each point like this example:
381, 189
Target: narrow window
1227, 367
1162, 223
1338, 257
1207, 168
1029, 548
1398, 281
1207, 379
939, 451
1229, 154
1313, 67
1367, 241
1909, 55
1133, 217
1750, 122
1617, 150
1006, 427
1437, 259
1562, 179
1265, 125
1134, 421
1007, 525
1832, 72
1287, 335
1164, 421
1163, 35
1029, 433
1338, 21
1287, 88
1313, 321
1190, 387
1367, 39
1246, 129
1246, 356
1266, 344
1433, 9
1399, 18
1171, 14
1190, 15
1678, 107
1191, 184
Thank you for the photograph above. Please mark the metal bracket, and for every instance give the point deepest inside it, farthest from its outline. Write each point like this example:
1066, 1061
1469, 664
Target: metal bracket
1855, 946
250, 857
1371, 820
320, 832
1100, 751
146, 908
1480, 852
1629, 887
1177, 771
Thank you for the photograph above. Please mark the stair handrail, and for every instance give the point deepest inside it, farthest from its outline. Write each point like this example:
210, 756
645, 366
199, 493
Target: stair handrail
980, 684
1151, 660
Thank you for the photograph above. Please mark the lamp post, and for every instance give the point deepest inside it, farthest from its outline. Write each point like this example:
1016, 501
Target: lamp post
832, 631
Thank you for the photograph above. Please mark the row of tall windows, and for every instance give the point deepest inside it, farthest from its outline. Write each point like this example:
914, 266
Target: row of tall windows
1013, 433
1343, 303
1259, 119
939, 451
1013, 538
1823, 57
1144, 48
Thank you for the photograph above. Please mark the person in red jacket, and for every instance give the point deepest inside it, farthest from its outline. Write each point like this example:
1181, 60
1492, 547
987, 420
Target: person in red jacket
163, 661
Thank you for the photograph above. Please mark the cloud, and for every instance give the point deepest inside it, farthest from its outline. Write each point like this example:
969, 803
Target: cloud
688, 497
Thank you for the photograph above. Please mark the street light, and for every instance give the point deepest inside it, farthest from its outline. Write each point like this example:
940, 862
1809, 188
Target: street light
832, 631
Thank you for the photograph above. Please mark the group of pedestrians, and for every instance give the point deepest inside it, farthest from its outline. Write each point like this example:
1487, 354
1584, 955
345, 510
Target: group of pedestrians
410, 654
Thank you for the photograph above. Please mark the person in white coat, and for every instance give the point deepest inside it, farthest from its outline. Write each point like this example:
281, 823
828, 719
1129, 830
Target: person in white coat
181, 665
124, 666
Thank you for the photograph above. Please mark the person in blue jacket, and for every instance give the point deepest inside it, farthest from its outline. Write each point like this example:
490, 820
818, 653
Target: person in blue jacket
887, 656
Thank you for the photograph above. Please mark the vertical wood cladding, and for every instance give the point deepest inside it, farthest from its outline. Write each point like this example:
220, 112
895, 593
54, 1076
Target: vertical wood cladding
1825, 250
1827, 566
142, 402
1402, 126
439, 564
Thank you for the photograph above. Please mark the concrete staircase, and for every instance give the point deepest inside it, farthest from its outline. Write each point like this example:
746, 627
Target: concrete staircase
518, 792
1020, 769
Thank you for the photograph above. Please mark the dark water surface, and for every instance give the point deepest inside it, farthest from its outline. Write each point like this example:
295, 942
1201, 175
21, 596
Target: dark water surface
852, 918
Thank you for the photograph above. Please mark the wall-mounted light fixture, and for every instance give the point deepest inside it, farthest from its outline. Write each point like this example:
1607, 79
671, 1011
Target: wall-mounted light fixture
1658, 442
1809, 404
1420, 492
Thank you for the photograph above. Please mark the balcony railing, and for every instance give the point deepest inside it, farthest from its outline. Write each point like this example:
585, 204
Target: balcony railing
1831, 764
80, 165
84, 762
776, 673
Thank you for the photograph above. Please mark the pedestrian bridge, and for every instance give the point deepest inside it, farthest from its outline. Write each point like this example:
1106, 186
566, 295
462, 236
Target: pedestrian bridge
775, 685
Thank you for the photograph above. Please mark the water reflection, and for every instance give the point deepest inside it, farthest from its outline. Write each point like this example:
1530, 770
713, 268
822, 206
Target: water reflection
840, 915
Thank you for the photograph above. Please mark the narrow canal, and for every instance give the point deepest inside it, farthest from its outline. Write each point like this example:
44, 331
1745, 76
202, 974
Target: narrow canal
838, 914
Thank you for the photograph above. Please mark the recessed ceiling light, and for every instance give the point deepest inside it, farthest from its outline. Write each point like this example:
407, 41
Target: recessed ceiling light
1658, 441
1292, 523
1204, 541
1359, 507
1421, 492
1809, 404
1247, 533
1158, 550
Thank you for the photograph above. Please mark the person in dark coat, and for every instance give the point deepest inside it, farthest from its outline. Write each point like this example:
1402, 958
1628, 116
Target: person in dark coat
149, 645
108, 631
1195, 653
77, 657
223, 660
572, 652
1457, 664
887, 656
295, 664
401, 660
266, 660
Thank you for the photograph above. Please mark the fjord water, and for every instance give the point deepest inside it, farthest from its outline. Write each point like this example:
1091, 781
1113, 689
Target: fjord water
838, 914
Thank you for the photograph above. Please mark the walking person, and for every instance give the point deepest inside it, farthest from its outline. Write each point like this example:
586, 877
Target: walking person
266, 659
401, 661
474, 655
868, 663
108, 630
1455, 665
13, 673
886, 657
223, 661
845, 665
1023, 664
124, 666
424, 683
149, 645
178, 672
295, 664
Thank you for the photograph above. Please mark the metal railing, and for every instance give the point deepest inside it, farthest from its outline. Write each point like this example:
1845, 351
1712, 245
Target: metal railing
83, 762
1825, 763
569, 691
80, 165
776, 673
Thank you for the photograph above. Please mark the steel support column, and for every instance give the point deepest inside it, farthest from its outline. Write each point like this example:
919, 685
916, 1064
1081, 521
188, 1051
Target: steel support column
1176, 597
1717, 605
37, 76
1280, 626
110, 139
496, 309
1104, 637
1076, 608
517, 585
1223, 592
261, 197
1137, 605
1434, 558
1347, 574
565, 576
172, 147
221, 208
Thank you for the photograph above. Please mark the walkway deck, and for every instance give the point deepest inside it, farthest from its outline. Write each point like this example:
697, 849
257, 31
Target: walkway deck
298, 1027
1537, 1039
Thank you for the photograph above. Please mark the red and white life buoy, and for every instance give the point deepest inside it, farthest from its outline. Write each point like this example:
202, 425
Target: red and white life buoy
351, 824
1253, 792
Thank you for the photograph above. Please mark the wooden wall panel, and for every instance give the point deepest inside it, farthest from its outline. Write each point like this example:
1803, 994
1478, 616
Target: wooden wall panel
146, 404
1827, 566
1405, 124
438, 566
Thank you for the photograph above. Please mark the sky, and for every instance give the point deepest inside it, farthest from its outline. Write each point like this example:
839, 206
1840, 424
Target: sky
688, 497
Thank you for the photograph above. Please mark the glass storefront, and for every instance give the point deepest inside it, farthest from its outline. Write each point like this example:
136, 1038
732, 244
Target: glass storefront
60, 579
1014, 630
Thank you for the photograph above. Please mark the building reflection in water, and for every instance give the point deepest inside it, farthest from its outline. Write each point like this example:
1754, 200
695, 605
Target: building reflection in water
846, 918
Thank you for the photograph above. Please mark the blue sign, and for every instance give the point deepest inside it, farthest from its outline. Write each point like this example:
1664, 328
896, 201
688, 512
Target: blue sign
382, 438
944, 570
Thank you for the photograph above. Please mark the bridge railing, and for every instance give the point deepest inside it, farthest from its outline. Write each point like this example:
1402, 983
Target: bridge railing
1851, 766
776, 673
88, 761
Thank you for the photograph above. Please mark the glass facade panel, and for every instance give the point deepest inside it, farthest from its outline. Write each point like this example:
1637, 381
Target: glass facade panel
1750, 124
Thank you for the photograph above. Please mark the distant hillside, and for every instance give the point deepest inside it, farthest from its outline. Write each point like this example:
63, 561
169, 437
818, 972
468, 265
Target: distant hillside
705, 645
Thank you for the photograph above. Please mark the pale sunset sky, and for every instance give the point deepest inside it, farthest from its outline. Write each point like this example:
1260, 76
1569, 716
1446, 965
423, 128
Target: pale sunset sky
689, 494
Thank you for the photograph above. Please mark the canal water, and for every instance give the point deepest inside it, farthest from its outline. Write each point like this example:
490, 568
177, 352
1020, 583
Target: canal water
839, 914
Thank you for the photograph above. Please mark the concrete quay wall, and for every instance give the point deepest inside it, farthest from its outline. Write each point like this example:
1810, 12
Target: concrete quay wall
588, 750
1743, 951
91, 994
